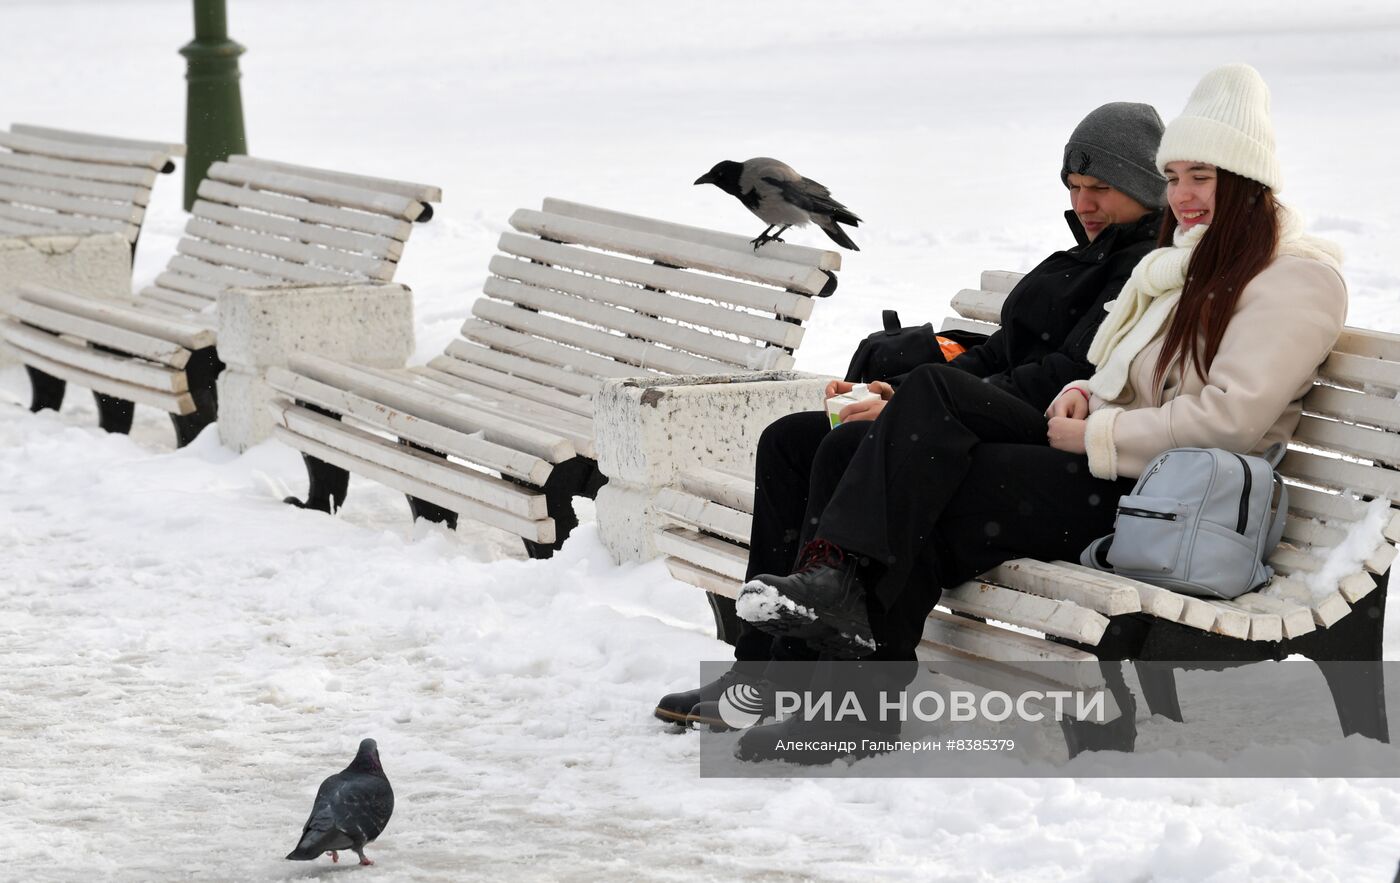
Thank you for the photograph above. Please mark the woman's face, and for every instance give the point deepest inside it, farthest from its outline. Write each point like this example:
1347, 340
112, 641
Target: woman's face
1191, 192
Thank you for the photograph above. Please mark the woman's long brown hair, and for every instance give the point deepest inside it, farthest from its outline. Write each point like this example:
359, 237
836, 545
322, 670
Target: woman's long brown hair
1240, 242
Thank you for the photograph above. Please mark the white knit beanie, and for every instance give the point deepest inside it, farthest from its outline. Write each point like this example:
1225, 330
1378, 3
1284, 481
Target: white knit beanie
1226, 123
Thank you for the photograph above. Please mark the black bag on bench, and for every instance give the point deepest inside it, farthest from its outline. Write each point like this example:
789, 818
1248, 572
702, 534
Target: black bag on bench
895, 350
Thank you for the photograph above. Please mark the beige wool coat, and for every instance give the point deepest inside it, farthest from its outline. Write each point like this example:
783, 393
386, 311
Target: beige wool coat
1285, 323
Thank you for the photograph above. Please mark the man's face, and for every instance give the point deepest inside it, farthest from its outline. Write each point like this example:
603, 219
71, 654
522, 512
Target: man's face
1097, 204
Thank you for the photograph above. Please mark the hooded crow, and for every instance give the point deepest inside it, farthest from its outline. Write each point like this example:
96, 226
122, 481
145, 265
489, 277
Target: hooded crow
781, 198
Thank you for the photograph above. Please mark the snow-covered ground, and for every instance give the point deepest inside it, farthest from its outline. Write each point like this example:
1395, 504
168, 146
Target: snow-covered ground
182, 657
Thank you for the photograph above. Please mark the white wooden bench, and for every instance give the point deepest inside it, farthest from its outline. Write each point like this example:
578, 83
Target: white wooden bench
56, 182
1347, 443
257, 224
499, 428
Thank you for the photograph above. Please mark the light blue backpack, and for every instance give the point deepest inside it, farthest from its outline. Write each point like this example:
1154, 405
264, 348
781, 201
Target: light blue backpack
1201, 521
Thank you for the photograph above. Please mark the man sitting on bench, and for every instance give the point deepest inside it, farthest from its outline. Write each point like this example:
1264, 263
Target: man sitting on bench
1048, 321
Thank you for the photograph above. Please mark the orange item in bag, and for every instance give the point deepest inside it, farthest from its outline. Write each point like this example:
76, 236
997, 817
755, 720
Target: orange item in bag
951, 348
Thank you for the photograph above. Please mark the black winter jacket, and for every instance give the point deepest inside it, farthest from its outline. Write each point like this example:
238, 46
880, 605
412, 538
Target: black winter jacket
1050, 317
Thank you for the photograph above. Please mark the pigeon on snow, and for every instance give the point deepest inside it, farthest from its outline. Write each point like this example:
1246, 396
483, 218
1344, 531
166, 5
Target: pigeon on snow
781, 198
351, 809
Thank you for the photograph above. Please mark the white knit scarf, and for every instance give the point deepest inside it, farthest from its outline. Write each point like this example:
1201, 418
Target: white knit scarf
1149, 298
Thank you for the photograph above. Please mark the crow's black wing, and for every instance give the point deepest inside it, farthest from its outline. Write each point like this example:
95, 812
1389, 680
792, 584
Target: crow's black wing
814, 198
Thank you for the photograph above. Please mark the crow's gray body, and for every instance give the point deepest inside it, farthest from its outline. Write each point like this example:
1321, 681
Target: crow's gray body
351, 809
780, 197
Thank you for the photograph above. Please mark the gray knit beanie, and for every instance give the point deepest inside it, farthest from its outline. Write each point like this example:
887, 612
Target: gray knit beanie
1117, 143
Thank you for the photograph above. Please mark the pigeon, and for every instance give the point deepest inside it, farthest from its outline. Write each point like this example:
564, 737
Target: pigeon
781, 198
351, 809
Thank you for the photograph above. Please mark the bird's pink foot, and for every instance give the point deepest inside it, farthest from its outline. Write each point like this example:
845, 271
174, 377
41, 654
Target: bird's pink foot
335, 856
365, 860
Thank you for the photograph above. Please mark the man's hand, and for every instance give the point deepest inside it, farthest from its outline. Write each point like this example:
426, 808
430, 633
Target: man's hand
837, 387
1067, 434
1072, 403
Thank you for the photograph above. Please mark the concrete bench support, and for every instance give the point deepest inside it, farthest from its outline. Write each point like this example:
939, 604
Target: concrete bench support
96, 265
369, 324
650, 431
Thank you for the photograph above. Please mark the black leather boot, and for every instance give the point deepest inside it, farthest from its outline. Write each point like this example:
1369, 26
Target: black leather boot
822, 602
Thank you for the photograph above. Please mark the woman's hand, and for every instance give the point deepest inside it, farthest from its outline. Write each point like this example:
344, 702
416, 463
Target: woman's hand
1066, 434
1072, 403
838, 387
868, 409
882, 389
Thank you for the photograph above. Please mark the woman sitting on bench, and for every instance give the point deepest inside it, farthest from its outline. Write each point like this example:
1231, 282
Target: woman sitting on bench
1212, 343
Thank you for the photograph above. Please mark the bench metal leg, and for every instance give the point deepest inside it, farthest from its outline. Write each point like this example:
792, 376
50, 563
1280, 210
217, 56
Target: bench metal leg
726, 618
1119, 734
422, 508
327, 484
114, 414
1357, 685
203, 371
572, 478
46, 390
1159, 689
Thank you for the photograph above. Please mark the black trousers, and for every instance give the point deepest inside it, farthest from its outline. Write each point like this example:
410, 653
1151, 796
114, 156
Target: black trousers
955, 477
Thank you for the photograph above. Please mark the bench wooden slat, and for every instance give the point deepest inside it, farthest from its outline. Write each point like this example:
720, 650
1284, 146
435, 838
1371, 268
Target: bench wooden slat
1354, 407
1294, 619
1362, 372
124, 315
324, 192
1308, 533
652, 303
734, 491
1325, 612
14, 228
1313, 503
700, 514
1054, 617
539, 531
84, 171
1341, 474
356, 379
1349, 438
798, 254
333, 237
1293, 563
79, 187
75, 150
626, 351
956, 324
519, 366
723, 354
153, 349
477, 391
210, 291
549, 352
686, 572
989, 642
577, 430
312, 212
707, 552
1370, 343
134, 371
406, 189
295, 252
1015, 678
277, 269
126, 213
486, 489
677, 252
980, 306
169, 148
190, 303
56, 224
526, 389
180, 403
777, 301
365, 411
1050, 581
218, 274
999, 281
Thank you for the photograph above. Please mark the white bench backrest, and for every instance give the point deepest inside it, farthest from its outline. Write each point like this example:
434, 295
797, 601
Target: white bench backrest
55, 182
264, 224
609, 294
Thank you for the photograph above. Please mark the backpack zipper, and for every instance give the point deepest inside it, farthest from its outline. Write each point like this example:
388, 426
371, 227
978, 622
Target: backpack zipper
1244, 497
1147, 513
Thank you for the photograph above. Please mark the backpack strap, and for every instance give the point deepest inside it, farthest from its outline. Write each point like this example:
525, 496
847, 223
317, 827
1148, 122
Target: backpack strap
1275, 453
891, 320
1279, 509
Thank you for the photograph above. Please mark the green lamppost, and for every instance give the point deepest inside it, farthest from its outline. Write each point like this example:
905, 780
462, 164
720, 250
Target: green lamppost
214, 111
